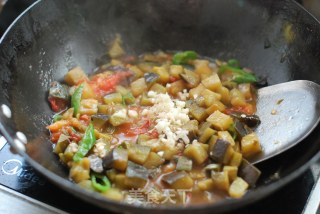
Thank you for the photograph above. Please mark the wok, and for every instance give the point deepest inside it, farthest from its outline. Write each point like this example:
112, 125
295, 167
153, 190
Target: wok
277, 39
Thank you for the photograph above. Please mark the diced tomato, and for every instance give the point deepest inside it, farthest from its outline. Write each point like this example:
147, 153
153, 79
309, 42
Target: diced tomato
57, 104
247, 109
85, 118
173, 79
132, 129
153, 134
105, 84
55, 137
73, 135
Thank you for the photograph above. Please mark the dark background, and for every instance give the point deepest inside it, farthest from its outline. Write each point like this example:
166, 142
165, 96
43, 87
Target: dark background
10, 9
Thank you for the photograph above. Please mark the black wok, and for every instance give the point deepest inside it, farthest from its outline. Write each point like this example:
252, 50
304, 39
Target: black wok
277, 39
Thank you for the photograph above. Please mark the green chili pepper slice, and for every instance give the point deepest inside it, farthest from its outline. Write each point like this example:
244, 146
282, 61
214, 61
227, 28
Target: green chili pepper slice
75, 100
233, 63
184, 57
239, 75
86, 143
57, 117
101, 186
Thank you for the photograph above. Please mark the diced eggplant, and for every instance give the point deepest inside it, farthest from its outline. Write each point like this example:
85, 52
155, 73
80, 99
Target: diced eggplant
197, 153
169, 152
62, 144
206, 134
203, 126
220, 121
197, 112
250, 145
119, 117
158, 88
88, 106
238, 188
145, 100
236, 159
151, 77
99, 120
249, 173
163, 74
184, 164
251, 121
232, 172
213, 167
138, 87
143, 138
175, 70
136, 175
225, 135
212, 82
58, 90
221, 151
74, 76
154, 160
192, 127
112, 98
206, 185
138, 153
154, 173
80, 170
117, 158
241, 128
178, 180
177, 87
192, 78
221, 180
95, 163
195, 92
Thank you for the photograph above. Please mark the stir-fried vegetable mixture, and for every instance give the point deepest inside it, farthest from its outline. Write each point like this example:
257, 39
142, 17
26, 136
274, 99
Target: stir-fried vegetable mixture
169, 127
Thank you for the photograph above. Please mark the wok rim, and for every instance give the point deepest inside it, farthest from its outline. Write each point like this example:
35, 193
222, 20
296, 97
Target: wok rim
105, 203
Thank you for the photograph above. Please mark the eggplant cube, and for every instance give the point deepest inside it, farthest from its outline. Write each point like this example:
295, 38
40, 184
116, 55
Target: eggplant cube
250, 145
184, 164
136, 175
221, 180
238, 188
197, 153
117, 159
178, 180
138, 153
249, 173
220, 121
221, 152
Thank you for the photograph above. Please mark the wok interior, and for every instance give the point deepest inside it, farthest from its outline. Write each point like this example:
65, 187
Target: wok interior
275, 39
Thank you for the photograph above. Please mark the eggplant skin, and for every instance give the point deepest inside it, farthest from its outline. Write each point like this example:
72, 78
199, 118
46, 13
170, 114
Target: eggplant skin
249, 173
137, 171
58, 90
219, 150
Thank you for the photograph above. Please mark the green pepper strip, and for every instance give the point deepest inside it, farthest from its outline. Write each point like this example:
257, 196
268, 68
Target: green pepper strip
57, 117
234, 63
86, 143
239, 75
103, 186
184, 57
75, 100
